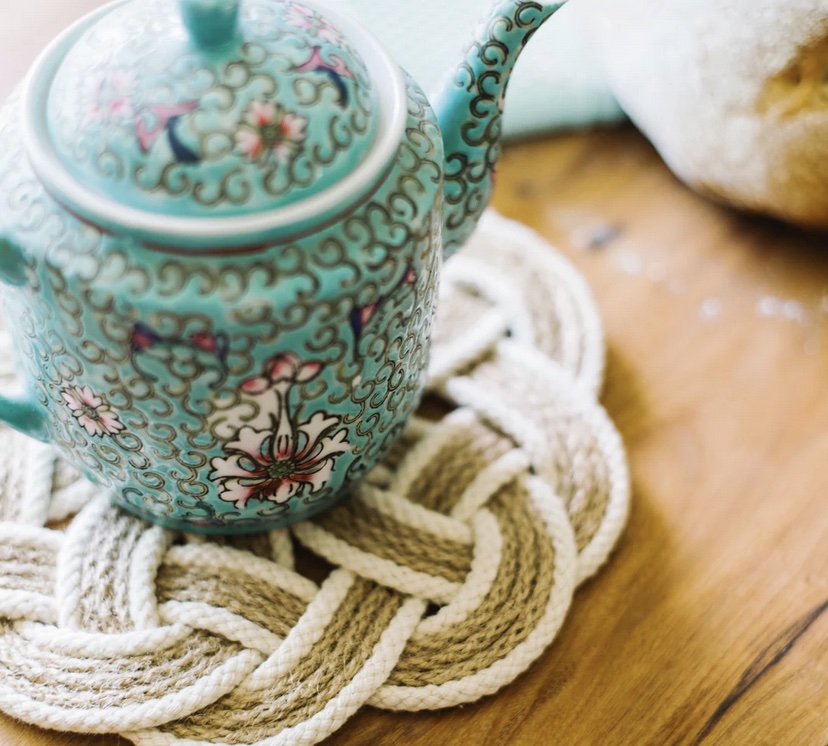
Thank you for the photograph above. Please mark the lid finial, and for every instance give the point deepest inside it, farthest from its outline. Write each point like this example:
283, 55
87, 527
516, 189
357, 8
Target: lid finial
210, 23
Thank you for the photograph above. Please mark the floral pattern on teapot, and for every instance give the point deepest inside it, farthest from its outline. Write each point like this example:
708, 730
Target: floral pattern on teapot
204, 397
277, 455
214, 138
221, 363
91, 411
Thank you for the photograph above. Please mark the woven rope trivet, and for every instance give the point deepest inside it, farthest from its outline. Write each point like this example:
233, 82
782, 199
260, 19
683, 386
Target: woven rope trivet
454, 565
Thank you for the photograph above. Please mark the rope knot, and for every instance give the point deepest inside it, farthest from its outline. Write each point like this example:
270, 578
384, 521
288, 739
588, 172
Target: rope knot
455, 561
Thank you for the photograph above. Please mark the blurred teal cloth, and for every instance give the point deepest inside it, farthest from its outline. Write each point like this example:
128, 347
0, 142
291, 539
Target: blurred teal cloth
557, 83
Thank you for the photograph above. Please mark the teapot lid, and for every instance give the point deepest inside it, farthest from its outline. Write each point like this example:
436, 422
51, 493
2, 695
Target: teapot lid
213, 122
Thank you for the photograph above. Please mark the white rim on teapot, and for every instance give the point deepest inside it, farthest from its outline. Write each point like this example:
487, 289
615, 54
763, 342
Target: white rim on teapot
224, 233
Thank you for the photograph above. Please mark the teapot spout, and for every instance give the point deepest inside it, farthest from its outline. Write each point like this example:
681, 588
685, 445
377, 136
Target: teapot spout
470, 109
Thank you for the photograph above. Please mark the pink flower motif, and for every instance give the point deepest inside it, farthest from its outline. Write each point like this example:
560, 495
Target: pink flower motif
261, 113
288, 367
269, 131
108, 98
91, 412
276, 463
281, 372
215, 344
315, 24
366, 313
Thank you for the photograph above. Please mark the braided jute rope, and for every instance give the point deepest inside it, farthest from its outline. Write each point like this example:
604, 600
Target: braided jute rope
454, 564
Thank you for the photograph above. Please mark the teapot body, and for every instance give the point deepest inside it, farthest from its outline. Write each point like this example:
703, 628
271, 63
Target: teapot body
221, 229
234, 390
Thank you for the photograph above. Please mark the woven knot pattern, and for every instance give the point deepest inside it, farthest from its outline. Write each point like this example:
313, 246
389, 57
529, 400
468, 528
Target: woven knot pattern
454, 564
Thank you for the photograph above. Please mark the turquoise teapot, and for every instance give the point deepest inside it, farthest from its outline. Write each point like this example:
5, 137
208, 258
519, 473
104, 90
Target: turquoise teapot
221, 230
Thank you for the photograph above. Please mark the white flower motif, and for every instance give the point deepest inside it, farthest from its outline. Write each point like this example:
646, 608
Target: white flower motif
267, 129
91, 411
273, 465
277, 462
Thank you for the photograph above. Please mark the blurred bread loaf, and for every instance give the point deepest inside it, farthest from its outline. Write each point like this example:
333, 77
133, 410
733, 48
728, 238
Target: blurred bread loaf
733, 94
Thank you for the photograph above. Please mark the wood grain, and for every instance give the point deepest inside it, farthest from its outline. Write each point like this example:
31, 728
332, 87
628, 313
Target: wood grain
710, 624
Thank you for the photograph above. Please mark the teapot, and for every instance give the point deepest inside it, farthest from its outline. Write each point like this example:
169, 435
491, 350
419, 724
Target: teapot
221, 230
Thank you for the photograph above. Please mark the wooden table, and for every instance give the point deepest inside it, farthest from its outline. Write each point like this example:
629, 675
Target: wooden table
709, 625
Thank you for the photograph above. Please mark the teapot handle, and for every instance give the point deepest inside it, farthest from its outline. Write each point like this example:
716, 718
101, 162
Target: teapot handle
27, 416
21, 412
